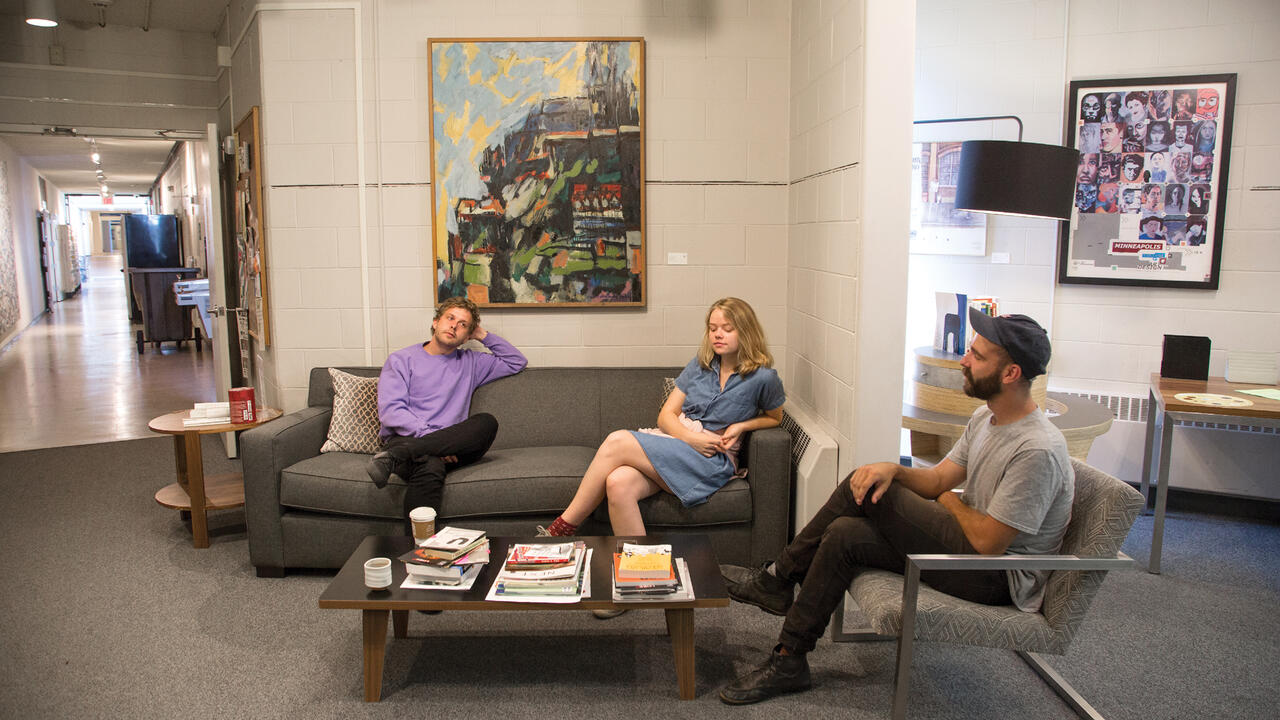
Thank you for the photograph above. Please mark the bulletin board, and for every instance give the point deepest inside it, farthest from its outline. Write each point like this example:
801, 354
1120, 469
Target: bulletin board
251, 240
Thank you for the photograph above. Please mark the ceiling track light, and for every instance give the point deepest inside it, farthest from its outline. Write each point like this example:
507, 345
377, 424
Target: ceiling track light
41, 13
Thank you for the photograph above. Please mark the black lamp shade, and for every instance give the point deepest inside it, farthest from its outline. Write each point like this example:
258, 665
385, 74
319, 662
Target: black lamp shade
1017, 178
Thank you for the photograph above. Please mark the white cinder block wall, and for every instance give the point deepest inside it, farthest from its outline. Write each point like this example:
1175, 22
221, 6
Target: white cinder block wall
716, 128
846, 294
1112, 337
995, 58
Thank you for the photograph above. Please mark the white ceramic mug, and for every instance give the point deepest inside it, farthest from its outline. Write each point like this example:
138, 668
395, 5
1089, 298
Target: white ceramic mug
377, 573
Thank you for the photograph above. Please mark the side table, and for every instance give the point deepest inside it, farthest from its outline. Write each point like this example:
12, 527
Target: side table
193, 492
1165, 407
1080, 420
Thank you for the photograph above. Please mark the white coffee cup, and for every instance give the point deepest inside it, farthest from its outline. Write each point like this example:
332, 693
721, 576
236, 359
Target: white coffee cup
424, 522
377, 573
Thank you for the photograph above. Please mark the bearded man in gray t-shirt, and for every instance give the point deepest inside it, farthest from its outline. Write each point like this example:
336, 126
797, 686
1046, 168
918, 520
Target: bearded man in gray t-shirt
1017, 499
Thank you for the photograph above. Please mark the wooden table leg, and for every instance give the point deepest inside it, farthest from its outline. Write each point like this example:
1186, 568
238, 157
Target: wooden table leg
374, 624
194, 462
400, 623
680, 628
180, 458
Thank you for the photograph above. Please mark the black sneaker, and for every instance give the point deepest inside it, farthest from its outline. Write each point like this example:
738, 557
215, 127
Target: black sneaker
382, 467
758, 587
779, 675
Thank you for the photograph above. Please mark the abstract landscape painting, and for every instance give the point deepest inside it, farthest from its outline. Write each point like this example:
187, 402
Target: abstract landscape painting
537, 171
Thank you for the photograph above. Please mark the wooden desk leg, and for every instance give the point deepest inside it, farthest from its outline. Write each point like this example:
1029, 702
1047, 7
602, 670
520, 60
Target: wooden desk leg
1153, 406
374, 624
680, 628
400, 623
1162, 493
195, 490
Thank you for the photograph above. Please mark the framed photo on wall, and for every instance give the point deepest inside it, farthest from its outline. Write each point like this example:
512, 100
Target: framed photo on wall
537, 171
937, 228
1150, 194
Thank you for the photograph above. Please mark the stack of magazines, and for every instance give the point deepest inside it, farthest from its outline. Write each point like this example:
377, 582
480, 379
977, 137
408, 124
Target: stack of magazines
539, 572
648, 573
449, 560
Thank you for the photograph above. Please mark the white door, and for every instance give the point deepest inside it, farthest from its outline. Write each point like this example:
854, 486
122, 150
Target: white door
208, 163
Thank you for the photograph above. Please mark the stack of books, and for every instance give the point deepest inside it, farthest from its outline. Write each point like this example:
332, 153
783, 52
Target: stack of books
649, 573
535, 572
449, 560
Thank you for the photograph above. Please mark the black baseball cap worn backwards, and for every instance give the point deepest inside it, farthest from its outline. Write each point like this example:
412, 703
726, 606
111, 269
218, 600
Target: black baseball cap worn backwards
1026, 342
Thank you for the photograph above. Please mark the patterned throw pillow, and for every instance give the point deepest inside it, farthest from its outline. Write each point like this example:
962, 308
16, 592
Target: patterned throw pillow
354, 425
668, 384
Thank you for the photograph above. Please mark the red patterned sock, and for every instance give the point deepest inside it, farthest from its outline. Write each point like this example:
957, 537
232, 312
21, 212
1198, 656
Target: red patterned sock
561, 528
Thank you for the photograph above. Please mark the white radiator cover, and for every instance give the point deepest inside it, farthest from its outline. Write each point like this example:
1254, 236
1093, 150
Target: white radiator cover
1222, 458
815, 460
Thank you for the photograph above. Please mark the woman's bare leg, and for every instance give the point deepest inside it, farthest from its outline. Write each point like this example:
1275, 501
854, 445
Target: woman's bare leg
626, 487
619, 449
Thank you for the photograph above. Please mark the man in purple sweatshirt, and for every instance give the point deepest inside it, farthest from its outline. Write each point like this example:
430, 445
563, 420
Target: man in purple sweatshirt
424, 396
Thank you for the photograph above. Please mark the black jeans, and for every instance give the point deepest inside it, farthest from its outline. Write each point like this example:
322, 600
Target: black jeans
845, 536
418, 460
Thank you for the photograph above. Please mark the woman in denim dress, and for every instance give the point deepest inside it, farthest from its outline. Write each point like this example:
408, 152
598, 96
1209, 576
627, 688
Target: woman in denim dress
727, 390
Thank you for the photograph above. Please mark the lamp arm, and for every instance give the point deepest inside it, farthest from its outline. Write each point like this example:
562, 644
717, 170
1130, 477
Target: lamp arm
1014, 118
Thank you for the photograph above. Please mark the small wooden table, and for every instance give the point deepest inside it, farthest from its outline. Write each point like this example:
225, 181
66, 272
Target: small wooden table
193, 492
1165, 407
1080, 420
348, 591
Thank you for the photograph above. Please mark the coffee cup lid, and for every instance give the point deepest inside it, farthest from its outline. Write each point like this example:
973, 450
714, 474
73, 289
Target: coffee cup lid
422, 513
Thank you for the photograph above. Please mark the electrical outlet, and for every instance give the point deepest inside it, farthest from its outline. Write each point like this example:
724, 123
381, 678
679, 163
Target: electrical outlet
999, 258
57, 55
677, 258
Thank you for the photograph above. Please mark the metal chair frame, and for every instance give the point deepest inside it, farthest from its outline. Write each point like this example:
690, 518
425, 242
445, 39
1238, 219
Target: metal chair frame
910, 591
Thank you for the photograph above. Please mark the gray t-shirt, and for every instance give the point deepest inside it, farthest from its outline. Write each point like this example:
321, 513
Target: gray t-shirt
1019, 474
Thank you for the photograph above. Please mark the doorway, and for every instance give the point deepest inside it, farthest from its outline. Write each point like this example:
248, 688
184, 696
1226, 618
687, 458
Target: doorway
104, 390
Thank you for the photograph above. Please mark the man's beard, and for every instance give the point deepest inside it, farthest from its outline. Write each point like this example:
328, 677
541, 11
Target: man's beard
981, 388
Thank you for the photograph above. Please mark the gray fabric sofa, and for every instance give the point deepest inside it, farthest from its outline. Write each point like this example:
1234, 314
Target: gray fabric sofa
305, 509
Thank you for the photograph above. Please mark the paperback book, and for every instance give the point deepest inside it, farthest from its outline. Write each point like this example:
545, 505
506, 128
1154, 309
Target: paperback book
447, 547
680, 591
464, 581
636, 561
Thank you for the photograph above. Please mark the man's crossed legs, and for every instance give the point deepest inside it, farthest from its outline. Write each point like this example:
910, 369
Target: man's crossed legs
823, 559
420, 461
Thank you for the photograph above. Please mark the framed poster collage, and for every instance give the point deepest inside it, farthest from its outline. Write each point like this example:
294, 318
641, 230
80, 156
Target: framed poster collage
1150, 191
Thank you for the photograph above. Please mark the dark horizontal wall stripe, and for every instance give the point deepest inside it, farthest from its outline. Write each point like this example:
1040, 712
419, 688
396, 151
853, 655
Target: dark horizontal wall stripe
820, 173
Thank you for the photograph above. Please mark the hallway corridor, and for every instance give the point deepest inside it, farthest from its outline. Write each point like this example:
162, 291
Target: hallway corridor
75, 376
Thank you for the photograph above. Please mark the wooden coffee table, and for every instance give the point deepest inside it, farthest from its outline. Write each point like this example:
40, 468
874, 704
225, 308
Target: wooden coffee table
193, 492
348, 592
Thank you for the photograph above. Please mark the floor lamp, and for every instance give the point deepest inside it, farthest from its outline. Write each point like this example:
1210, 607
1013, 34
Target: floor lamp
1014, 178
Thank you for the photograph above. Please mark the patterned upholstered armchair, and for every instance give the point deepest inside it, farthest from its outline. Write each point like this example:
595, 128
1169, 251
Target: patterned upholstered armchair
898, 605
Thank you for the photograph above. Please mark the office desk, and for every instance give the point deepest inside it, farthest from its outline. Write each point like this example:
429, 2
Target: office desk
1165, 407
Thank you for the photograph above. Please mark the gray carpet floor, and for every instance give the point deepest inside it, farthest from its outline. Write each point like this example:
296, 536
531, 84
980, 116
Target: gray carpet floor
109, 612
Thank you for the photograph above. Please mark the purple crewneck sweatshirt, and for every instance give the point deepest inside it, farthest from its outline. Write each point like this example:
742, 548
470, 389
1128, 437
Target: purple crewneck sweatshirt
419, 393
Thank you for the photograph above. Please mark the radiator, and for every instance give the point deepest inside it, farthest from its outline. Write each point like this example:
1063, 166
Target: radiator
814, 464
1216, 457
